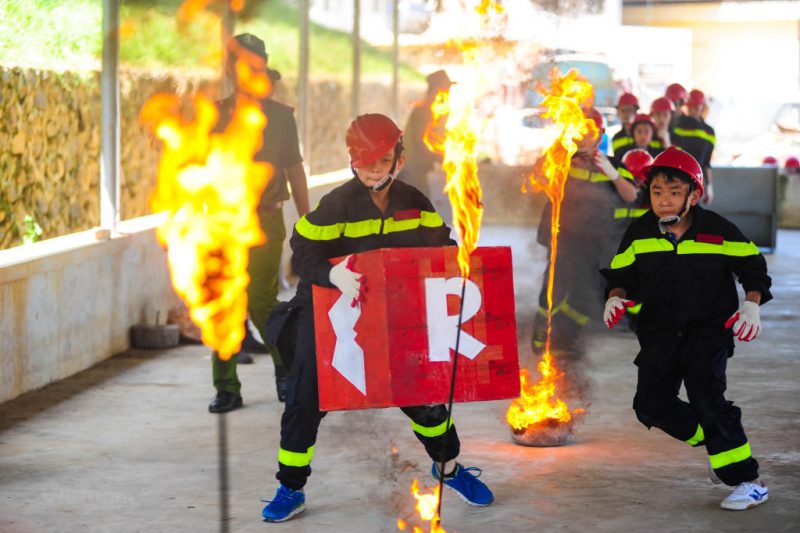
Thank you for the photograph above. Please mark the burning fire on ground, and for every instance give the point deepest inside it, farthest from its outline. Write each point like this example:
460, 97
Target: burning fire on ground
539, 417
427, 505
209, 187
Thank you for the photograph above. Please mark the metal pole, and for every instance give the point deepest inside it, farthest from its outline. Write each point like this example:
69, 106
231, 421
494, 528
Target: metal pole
109, 121
396, 59
302, 83
356, 84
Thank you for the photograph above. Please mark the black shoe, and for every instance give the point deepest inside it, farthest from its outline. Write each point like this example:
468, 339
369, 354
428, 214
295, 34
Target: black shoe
224, 402
244, 358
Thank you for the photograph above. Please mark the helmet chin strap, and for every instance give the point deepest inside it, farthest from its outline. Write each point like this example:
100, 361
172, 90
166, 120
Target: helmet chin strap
665, 222
386, 181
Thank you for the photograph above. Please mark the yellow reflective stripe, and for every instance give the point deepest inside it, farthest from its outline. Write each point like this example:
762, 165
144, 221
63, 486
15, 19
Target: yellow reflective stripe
636, 309
622, 141
434, 431
625, 174
655, 144
698, 437
285, 457
431, 219
586, 175
428, 219
735, 455
573, 313
696, 133
633, 212
640, 246
736, 249
318, 233
362, 228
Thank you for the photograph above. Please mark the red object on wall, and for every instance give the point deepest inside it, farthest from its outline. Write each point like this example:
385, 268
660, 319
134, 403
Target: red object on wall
396, 348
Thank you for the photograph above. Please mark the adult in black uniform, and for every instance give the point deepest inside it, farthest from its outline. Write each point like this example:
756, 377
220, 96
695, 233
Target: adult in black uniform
680, 262
281, 149
420, 160
594, 215
360, 215
698, 138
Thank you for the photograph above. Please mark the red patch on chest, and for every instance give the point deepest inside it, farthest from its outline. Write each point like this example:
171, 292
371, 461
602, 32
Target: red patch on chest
408, 214
710, 239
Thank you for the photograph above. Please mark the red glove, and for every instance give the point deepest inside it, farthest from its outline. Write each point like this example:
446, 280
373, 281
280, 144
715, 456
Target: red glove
615, 308
746, 322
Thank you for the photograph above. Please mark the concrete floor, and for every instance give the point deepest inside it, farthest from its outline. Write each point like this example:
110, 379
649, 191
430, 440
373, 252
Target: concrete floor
129, 446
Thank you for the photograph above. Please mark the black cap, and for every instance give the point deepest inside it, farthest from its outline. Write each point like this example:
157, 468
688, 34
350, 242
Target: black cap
439, 79
253, 44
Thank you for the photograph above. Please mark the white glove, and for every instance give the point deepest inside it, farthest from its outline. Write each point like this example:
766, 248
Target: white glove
615, 308
746, 322
601, 160
709, 196
347, 281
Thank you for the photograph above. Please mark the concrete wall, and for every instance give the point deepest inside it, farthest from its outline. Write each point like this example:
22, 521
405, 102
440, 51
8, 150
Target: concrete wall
68, 303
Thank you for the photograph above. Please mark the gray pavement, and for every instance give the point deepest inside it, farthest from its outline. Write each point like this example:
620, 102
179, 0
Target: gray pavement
128, 445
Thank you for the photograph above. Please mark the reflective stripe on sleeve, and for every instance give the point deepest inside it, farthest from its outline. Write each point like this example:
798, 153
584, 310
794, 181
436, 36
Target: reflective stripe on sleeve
285, 457
313, 232
736, 455
622, 141
434, 431
427, 219
640, 246
587, 175
632, 212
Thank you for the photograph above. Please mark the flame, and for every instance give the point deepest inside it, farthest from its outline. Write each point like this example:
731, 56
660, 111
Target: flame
427, 508
209, 187
539, 401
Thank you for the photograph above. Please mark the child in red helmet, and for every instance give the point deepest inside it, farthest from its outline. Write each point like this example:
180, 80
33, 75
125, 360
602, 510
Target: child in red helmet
697, 138
357, 216
661, 111
643, 132
679, 261
627, 106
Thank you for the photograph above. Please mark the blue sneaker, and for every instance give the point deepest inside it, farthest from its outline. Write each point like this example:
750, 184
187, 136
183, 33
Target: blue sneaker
466, 485
284, 505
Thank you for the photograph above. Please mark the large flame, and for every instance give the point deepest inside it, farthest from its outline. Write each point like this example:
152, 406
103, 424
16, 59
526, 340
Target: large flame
209, 187
453, 133
538, 402
427, 508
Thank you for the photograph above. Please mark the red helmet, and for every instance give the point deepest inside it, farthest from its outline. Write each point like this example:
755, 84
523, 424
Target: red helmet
696, 98
594, 114
770, 161
641, 118
677, 93
792, 162
661, 104
369, 137
636, 160
679, 160
628, 99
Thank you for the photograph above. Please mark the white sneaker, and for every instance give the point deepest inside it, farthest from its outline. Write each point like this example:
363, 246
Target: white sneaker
745, 496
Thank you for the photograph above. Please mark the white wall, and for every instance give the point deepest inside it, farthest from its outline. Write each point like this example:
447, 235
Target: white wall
68, 303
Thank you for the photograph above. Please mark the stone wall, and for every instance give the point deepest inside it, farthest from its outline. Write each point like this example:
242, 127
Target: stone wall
50, 141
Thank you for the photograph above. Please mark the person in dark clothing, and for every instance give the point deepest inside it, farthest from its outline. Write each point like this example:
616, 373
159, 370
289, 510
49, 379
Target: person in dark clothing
661, 111
420, 159
679, 261
622, 141
370, 211
594, 214
280, 148
697, 138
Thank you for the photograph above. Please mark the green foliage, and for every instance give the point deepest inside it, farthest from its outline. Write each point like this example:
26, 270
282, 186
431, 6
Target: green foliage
31, 231
67, 35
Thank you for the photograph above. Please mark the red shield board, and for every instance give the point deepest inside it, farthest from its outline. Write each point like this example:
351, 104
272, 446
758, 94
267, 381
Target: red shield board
395, 349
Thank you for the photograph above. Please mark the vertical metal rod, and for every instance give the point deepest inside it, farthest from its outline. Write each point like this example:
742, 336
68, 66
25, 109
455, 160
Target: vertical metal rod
109, 121
222, 472
396, 59
356, 83
302, 84
450, 401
